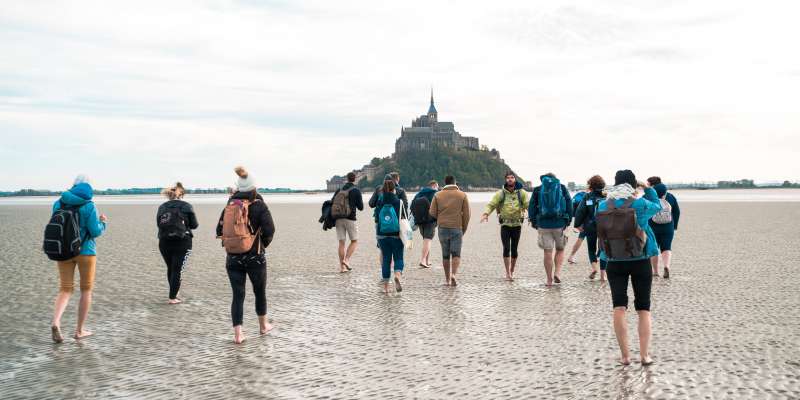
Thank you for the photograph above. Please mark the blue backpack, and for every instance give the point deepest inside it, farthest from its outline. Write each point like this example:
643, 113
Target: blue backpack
388, 222
576, 201
552, 204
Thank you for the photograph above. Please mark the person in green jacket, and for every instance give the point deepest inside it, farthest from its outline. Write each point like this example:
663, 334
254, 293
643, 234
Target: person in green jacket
510, 203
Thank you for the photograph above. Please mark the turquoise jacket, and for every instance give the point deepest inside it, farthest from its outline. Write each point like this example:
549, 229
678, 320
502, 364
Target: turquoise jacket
646, 207
90, 224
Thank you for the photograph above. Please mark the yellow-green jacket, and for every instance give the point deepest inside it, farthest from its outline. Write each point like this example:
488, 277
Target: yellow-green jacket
511, 212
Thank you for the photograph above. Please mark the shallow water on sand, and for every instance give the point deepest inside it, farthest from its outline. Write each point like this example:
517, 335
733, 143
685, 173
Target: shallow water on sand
727, 325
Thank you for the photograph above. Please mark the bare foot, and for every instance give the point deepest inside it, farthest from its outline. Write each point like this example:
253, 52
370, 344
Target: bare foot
647, 360
549, 283
56, 332
571, 260
238, 335
266, 328
385, 287
175, 301
625, 361
556, 279
82, 334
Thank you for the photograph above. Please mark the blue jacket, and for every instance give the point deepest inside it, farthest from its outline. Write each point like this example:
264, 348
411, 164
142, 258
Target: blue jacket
646, 207
91, 227
427, 192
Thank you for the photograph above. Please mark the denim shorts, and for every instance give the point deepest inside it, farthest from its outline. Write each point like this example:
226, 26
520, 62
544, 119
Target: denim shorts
450, 239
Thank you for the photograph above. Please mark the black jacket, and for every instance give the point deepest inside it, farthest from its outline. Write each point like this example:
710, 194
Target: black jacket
186, 211
354, 197
326, 219
401, 194
585, 211
259, 216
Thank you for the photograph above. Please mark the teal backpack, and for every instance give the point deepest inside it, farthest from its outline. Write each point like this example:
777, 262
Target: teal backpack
388, 222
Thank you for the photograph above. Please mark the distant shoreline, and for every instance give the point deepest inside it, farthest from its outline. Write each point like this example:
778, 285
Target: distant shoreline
150, 192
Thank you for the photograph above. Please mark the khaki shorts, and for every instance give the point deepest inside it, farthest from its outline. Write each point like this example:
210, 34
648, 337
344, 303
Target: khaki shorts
346, 227
550, 239
66, 273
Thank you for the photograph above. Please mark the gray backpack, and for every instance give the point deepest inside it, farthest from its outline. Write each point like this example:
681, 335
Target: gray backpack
341, 204
665, 215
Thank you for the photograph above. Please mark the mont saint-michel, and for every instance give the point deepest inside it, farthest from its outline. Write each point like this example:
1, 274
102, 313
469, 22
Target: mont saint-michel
430, 149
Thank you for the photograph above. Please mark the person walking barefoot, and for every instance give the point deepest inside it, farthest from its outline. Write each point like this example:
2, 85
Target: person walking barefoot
627, 243
77, 201
550, 212
586, 222
450, 207
345, 202
246, 229
390, 210
420, 209
175, 220
510, 202
664, 224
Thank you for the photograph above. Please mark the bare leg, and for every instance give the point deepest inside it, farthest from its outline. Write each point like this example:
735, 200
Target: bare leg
507, 265
548, 266
446, 264
454, 272
575, 248
341, 256
351, 249
426, 253
238, 335
602, 275
654, 264
83, 313
621, 330
666, 258
513, 265
559, 261
62, 299
264, 324
645, 329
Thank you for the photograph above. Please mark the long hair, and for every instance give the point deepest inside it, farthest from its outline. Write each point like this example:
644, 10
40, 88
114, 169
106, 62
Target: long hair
388, 186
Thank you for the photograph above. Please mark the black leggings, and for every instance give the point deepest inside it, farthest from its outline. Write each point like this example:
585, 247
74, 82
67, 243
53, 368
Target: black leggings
509, 235
591, 245
641, 276
176, 253
239, 268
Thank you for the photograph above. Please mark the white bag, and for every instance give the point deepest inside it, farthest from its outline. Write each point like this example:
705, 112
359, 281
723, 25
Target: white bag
406, 233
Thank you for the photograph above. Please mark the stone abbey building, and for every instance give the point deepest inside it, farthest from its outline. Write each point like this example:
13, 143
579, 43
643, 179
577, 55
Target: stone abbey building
427, 132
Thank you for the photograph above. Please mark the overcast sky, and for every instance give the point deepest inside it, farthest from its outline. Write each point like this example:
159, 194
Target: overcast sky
145, 93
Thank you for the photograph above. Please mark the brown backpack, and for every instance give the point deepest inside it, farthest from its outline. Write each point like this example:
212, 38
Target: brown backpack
618, 233
237, 234
341, 204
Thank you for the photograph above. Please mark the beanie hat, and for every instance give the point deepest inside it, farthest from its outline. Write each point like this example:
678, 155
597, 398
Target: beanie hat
245, 183
625, 176
661, 189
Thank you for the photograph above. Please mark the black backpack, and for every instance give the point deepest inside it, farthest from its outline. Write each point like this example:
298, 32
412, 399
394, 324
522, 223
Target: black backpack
171, 225
421, 210
62, 235
590, 224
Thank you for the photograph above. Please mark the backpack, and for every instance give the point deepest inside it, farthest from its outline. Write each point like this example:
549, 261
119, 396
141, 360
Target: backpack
341, 204
421, 210
171, 225
388, 222
576, 201
237, 234
552, 204
618, 233
503, 203
665, 215
62, 235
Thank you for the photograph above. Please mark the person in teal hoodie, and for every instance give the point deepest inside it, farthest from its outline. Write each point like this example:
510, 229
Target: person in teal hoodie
550, 213
636, 268
92, 226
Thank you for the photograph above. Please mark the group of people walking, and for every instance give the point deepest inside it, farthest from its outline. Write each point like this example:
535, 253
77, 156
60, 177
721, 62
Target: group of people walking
628, 229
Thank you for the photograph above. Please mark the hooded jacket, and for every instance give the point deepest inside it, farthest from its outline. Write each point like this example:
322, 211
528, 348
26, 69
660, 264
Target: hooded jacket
646, 207
260, 218
510, 210
394, 201
90, 225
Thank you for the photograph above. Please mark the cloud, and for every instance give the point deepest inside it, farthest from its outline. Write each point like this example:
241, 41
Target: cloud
142, 93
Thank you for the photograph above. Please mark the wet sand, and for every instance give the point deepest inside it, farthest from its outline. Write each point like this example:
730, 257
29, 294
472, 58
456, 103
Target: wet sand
726, 325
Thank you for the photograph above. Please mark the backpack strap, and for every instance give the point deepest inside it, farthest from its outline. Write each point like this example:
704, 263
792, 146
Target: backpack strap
628, 202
